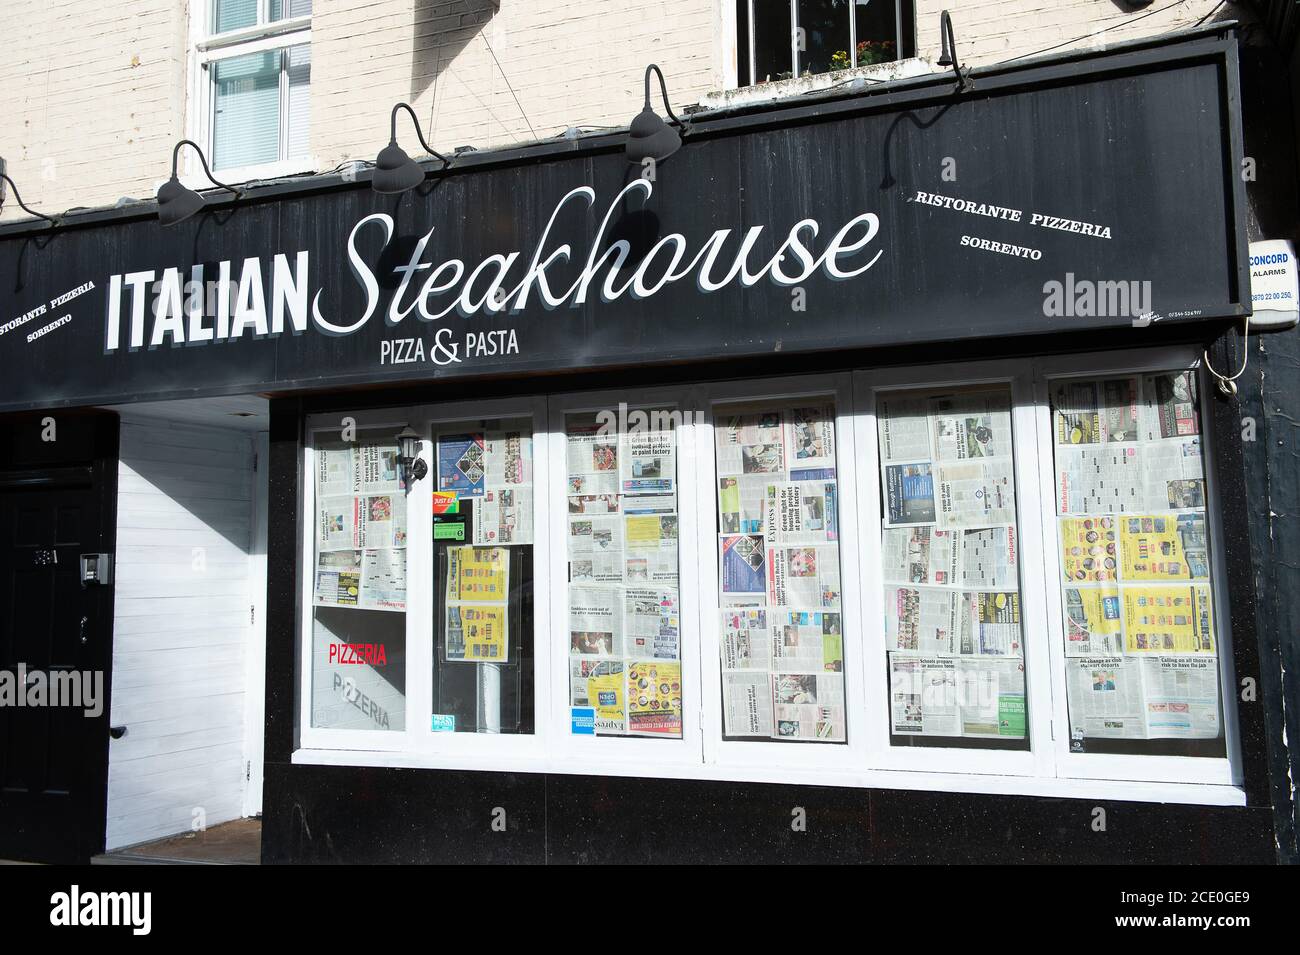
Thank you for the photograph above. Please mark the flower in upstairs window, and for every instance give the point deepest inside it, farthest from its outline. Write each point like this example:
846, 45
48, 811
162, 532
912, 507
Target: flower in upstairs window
876, 51
840, 60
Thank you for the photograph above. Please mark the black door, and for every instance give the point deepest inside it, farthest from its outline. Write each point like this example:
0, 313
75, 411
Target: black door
56, 503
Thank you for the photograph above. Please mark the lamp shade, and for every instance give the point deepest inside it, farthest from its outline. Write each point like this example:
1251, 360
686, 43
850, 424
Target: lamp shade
177, 203
651, 138
395, 171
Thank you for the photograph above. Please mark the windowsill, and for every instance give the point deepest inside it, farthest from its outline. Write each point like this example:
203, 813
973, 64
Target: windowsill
801, 85
241, 175
1197, 794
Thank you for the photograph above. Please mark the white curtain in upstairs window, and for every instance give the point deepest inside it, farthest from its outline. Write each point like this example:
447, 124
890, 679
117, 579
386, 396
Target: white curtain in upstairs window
233, 15
246, 119
298, 105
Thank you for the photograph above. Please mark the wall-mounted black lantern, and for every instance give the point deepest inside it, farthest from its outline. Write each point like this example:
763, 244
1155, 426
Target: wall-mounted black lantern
408, 455
649, 136
395, 171
176, 203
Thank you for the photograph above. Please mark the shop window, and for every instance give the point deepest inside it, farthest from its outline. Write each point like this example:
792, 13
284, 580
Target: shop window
358, 614
1141, 643
950, 571
782, 642
624, 616
252, 105
780, 39
1006, 574
482, 539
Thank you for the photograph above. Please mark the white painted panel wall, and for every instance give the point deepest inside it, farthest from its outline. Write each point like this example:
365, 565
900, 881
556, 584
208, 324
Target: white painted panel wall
181, 628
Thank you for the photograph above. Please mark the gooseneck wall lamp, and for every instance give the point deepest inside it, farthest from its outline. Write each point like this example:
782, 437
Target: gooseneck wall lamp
395, 171
649, 137
19, 199
176, 203
948, 55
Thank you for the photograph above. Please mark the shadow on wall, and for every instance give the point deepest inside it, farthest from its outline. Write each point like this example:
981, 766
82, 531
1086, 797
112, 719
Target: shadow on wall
441, 29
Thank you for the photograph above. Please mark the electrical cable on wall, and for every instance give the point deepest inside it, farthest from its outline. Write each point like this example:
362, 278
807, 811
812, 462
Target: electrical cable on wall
1228, 384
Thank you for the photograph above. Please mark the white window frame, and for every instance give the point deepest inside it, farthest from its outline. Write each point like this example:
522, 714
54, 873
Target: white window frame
206, 49
389, 420
760, 755
1182, 770
1037, 760
866, 760
794, 38
628, 755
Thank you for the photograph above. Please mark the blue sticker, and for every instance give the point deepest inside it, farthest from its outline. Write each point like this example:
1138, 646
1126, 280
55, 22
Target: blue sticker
444, 724
584, 720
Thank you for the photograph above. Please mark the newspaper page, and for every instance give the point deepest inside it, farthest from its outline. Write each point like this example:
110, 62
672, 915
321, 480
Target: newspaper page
745, 639
380, 472
380, 520
808, 706
595, 622
779, 577
971, 426
1166, 619
1089, 549
975, 494
992, 697
649, 464
652, 623
650, 549
921, 555
596, 549
923, 695
1182, 697
1105, 697
988, 558
504, 515
592, 461
1093, 624
747, 703
1164, 547
478, 590
338, 578
807, 641
383, 579
904, 425
928, 620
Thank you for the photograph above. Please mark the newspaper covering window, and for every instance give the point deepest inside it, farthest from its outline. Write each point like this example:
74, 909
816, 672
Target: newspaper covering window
358, 582
482, 563
949, 548
1140, 644
782, 641
625, 676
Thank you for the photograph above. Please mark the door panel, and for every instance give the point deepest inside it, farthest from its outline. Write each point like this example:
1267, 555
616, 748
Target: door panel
53, 760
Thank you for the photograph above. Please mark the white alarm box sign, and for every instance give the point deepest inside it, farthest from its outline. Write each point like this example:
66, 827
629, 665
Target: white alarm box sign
1274, 292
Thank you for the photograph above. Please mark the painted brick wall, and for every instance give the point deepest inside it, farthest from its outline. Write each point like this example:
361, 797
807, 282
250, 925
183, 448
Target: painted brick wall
93, 95
92, 98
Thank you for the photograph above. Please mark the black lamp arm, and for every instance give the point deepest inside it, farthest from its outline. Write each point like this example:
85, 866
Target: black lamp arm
663, 88
176, 156
418, 132
945, 29
22, 205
